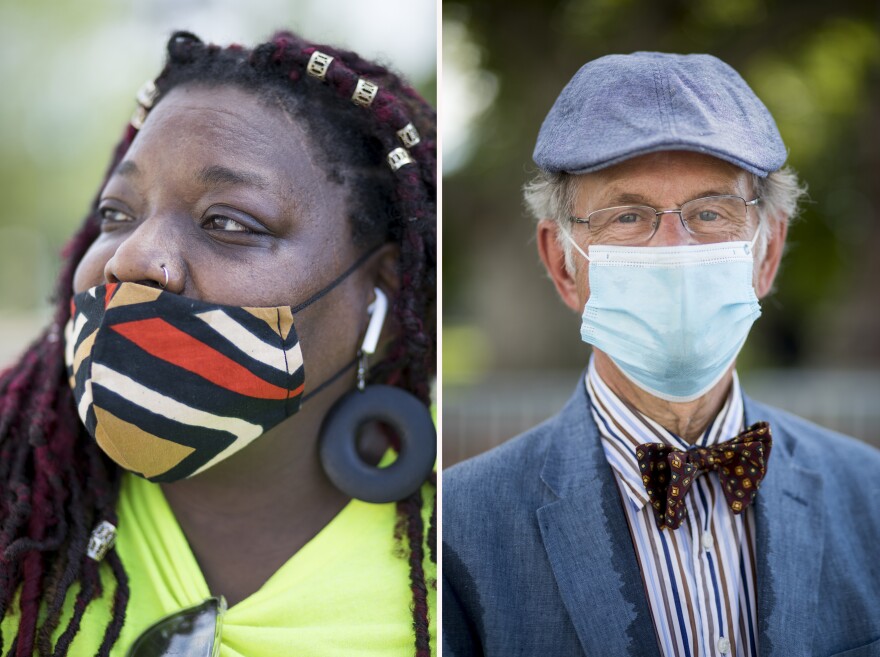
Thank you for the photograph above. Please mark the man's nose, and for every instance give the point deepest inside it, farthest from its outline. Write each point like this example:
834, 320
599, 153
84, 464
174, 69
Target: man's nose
149, 255
671, 230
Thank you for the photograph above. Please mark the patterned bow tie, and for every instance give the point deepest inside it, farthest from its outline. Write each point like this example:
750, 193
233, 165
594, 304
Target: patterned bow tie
668, 472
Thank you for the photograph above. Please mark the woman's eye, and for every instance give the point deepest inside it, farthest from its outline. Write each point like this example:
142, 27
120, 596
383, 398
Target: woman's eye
112, 215
218, 222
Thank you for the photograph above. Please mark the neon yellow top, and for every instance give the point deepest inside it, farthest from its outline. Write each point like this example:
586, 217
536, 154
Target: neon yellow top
345, 592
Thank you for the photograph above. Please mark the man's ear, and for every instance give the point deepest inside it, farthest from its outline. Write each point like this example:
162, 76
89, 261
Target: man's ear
772, 257
553, 256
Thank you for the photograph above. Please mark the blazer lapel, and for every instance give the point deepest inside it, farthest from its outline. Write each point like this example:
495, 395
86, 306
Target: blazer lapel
588, 542
789, 543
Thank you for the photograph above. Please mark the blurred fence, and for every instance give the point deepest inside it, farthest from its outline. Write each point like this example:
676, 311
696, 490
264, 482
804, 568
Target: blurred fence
479, 417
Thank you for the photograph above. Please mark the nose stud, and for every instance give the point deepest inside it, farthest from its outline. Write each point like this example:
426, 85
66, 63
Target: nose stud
164, 271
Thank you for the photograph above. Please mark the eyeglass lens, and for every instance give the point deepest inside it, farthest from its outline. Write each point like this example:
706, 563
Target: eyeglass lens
712, 219
193, 632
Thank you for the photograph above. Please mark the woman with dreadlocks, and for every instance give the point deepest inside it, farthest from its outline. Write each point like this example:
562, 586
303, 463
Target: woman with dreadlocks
188, 454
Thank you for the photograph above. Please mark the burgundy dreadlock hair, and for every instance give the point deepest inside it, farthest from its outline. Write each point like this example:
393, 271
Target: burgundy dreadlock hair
56, 484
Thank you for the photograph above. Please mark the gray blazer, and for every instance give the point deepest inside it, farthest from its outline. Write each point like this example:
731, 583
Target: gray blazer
537, 557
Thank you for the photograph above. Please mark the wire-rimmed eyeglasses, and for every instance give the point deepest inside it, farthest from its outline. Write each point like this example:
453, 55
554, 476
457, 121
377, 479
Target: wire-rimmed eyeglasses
709, 219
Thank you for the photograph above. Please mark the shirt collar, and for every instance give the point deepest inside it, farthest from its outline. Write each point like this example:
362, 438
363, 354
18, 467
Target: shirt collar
622, 428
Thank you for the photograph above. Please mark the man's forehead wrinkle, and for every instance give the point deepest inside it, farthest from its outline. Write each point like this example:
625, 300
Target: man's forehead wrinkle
653, 190
640, 199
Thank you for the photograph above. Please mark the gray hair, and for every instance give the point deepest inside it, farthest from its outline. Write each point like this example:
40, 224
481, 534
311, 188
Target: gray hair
552, 196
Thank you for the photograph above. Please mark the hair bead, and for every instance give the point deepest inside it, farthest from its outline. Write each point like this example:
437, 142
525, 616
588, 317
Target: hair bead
138, 117
409, 135
318, 64
147, 94
364, 93
398, 158
101, 541
146, 97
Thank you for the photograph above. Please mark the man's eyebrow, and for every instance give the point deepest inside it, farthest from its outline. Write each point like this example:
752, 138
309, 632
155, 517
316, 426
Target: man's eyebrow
220, 175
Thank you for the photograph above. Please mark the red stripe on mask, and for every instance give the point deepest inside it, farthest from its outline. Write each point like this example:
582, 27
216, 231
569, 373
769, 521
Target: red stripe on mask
108, 293
162, 340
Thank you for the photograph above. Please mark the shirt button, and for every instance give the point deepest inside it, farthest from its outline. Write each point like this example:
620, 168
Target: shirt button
707, 540
723, 645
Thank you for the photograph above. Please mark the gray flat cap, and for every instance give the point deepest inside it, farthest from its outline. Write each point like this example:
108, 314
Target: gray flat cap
620, 106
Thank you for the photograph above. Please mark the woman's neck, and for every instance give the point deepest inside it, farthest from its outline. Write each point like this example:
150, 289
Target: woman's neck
246, 516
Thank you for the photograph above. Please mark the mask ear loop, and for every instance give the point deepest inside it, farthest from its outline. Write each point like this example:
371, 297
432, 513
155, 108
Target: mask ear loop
751, 246
403, 412
569, 237
358, 360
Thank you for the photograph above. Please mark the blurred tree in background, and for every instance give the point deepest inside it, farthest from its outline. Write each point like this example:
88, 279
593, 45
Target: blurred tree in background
815, 64
70, 72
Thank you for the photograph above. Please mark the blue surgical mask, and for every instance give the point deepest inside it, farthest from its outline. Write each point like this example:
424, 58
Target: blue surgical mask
672, 318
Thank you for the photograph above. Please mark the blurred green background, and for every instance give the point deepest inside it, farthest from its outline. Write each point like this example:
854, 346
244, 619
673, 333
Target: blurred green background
511, 350
69, 73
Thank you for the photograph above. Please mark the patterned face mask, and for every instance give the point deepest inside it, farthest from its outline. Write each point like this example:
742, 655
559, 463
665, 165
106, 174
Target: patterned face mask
169, 386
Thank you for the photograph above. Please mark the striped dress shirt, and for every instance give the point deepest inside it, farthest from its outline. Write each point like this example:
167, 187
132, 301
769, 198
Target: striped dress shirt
699, 579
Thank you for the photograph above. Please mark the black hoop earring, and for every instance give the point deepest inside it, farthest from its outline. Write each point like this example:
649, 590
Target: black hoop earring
410, 420
403, 412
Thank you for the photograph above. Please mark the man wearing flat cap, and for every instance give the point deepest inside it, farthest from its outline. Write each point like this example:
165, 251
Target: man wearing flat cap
662, 511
